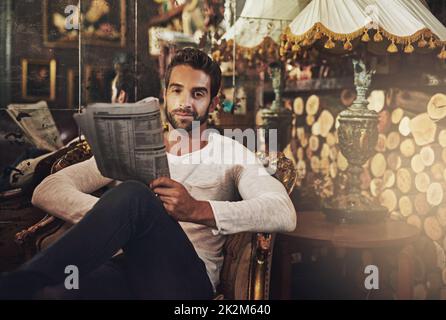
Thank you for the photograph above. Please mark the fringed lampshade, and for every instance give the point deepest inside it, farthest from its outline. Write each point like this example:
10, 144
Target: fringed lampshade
401, 22
257, 31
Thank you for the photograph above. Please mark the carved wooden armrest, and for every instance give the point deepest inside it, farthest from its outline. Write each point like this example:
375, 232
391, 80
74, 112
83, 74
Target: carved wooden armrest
30, 238
80, 152
262, 267
47, 224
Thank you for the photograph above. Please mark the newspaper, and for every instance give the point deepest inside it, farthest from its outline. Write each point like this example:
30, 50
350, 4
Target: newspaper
37, 124
126, 139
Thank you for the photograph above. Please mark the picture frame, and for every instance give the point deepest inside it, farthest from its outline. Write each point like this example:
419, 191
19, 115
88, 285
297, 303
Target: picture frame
39, 79
104, 23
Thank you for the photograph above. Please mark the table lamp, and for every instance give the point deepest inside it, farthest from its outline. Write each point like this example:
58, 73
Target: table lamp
255, 38
352, 26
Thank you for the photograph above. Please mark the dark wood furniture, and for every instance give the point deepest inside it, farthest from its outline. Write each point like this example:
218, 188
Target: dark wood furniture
314, 231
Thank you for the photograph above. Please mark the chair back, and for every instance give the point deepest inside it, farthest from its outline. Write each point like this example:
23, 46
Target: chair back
246, 270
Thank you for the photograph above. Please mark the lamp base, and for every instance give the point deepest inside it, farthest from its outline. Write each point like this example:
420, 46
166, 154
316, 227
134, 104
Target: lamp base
354, 208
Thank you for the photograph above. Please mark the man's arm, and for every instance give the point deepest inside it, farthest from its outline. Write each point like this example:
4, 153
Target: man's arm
266, 206
65, 194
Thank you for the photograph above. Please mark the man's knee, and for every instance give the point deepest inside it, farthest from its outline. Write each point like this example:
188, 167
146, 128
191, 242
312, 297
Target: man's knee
133, 197
133, 188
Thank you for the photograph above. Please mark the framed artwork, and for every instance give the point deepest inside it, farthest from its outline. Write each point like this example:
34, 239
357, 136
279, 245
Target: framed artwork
39, 79
72, 88
98, 83
103, 23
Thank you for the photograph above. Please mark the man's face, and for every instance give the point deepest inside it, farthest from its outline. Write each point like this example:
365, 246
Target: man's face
188, 97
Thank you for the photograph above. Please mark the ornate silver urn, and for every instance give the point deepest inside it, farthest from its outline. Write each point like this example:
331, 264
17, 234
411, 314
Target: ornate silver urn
358, 135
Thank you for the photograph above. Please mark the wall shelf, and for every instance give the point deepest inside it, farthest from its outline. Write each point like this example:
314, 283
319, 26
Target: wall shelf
313, 85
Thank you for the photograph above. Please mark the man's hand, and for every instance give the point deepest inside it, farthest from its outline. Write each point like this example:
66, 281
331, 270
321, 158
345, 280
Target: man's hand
180, 204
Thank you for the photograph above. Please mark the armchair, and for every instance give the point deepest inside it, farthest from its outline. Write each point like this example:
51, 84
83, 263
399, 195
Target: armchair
246, 268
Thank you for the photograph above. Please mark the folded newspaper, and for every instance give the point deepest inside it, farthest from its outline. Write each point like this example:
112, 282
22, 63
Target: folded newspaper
126, 139
37, 124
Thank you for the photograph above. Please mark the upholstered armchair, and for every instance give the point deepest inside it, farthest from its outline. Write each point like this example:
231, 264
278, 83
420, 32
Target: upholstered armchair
247, 264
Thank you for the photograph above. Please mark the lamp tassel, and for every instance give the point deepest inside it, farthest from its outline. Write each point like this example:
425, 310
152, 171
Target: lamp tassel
432, 44
409, 48
442, 54
329, 44
318, 34
422, 43
365, 36
348, 45
378, 37
392, 48
295, 48
306, 42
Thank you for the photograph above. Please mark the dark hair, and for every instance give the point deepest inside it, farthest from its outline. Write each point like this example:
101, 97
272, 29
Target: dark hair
198, 60
125, 79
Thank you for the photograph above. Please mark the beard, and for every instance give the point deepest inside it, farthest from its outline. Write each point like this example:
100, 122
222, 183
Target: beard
186, 124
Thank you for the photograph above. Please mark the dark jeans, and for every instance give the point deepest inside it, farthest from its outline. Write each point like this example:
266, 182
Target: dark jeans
159, 261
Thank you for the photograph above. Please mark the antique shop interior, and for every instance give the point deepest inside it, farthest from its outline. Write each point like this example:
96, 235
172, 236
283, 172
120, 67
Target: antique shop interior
354, 89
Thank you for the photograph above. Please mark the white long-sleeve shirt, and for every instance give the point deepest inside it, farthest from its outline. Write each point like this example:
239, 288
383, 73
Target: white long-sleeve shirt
243, 196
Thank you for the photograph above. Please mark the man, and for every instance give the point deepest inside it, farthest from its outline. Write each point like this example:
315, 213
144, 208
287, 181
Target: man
172, 232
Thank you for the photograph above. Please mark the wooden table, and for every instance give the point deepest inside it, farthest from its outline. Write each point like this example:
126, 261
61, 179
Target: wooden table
314, 230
